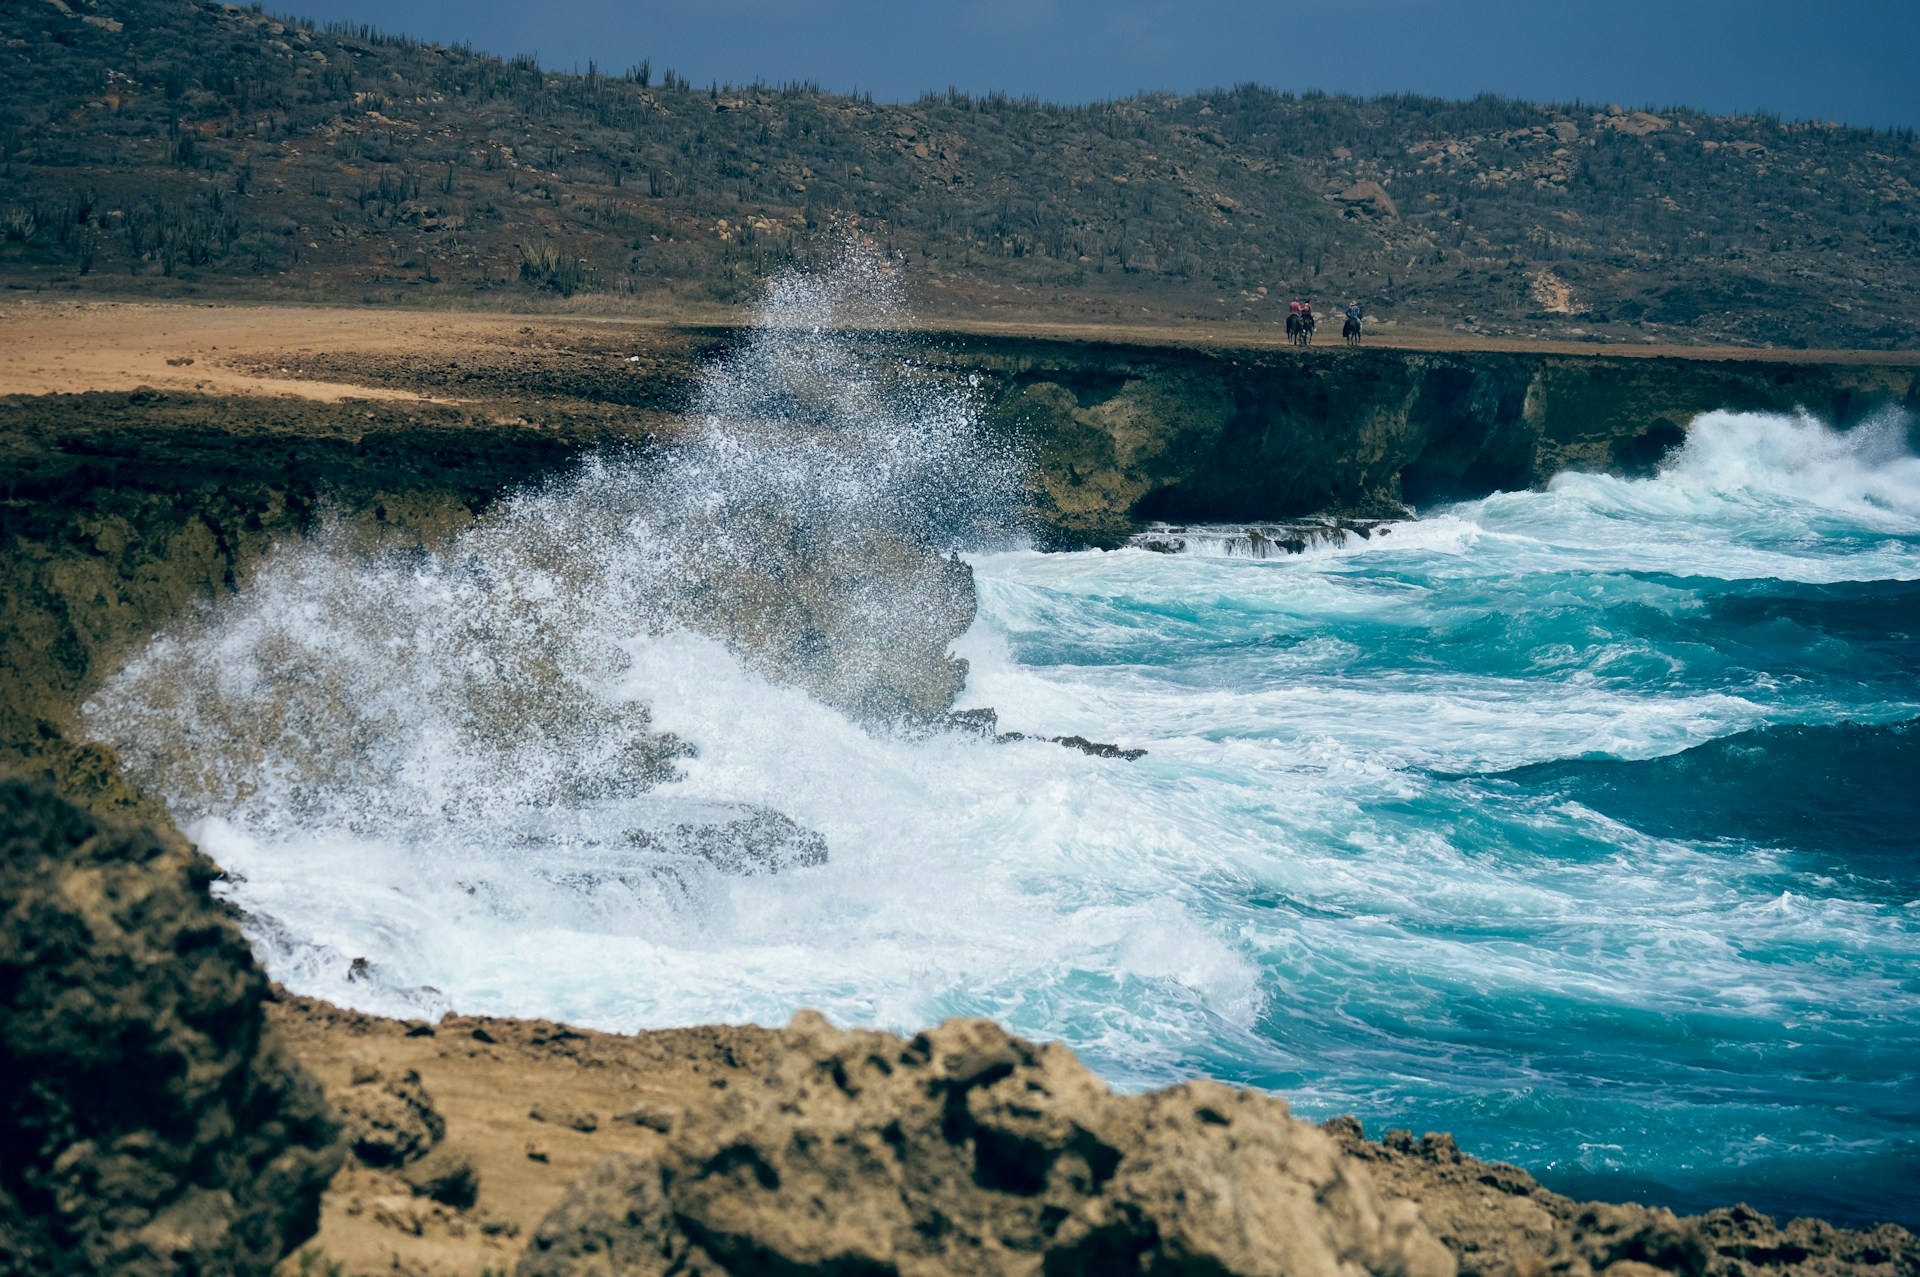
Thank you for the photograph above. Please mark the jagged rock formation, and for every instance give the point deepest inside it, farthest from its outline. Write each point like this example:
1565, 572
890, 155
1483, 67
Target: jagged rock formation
964, 1150
152, 1123
390, 1122
1497, 1220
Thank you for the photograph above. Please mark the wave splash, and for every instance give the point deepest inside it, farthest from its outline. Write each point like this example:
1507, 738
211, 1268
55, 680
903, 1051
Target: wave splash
480, 698
1748, 495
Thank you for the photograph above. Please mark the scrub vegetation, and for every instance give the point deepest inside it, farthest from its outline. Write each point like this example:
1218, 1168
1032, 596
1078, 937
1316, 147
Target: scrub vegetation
171, 147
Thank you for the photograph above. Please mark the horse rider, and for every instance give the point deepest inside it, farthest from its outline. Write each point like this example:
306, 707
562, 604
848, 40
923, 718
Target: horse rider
1353, 312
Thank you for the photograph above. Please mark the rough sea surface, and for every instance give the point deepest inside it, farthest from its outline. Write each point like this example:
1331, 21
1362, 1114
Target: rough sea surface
1579, 823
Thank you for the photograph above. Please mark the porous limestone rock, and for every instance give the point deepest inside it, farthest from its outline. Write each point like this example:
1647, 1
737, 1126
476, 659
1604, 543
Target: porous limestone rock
967, 1151
1500, 1222
390, 1123
150, 1121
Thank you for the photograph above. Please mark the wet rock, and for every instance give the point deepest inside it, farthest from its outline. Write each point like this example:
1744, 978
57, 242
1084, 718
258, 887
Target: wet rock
986, 722
980, 722
964, 1150
390, 1124
861, 619
1099, 749
681, 846
152, 1122
1268, 540
739, 838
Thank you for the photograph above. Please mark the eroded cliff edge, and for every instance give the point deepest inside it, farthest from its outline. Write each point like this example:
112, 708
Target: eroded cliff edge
1123, 432
120, 510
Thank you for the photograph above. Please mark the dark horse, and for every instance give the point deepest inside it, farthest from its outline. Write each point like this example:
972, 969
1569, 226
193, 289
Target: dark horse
1300, 329
1351, 331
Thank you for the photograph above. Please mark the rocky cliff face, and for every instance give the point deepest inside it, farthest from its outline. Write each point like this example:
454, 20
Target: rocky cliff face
1156, 432
118, 512
153, 1123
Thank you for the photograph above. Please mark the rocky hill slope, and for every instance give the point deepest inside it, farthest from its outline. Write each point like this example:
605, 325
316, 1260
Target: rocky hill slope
178, 147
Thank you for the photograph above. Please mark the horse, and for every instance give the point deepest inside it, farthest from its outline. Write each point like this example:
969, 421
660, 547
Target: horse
1351, 331
1300, 328
1293, 328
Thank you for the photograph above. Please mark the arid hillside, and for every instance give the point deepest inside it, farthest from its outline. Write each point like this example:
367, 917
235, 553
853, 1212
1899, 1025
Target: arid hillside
178, 148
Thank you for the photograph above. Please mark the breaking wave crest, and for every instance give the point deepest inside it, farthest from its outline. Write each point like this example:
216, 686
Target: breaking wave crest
805, 522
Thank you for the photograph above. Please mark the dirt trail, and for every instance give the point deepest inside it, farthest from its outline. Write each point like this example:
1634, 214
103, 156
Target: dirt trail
68, 347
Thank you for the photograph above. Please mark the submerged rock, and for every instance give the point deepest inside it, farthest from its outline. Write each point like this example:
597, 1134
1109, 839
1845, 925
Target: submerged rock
152, 1122
735, 838
965, 1150
986, 722
1268, 540
1099, 749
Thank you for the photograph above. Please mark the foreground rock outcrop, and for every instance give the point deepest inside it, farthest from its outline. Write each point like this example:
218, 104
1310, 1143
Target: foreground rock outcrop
1497, 1220
964, 1150
152, 1123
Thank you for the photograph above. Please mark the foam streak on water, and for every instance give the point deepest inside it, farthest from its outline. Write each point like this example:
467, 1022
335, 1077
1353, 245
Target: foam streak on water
1497, 824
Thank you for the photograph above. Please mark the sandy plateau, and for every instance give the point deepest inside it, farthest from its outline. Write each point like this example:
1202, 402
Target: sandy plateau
75, 347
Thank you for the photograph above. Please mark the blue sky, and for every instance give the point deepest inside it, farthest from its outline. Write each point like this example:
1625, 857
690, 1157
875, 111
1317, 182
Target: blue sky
1852, 60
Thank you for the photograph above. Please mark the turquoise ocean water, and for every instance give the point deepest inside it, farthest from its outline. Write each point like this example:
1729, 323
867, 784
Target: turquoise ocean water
1584, 824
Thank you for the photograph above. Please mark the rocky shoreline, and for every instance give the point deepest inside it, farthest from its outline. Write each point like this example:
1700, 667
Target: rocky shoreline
238, 1119
171, 1112
157, 483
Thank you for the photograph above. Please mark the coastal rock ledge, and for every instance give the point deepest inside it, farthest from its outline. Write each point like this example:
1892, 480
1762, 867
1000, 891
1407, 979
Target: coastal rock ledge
964, 1150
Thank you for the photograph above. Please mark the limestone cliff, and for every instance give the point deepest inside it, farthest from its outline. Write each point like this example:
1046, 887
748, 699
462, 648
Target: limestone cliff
1126, 432
118, 512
